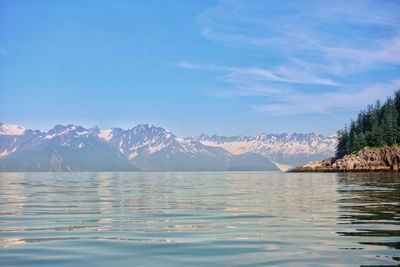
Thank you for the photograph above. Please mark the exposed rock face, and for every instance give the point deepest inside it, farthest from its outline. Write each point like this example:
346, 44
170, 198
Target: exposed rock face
365, 160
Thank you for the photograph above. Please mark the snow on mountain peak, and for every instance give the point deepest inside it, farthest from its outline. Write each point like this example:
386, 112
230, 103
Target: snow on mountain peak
67, 130
106, 134
146, 140
10, 129
269, 144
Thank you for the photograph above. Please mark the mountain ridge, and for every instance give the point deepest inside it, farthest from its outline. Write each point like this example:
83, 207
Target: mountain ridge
285, 148
148, 147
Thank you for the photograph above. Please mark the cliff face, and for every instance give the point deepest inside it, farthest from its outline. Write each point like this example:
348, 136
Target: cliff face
365, 160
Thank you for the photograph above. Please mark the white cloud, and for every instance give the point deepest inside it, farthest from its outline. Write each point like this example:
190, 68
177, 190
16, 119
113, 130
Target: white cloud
327, 102
320, 44
329, 28
283, 74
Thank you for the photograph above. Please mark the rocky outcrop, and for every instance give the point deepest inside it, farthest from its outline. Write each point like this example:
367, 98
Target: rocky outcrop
365, 160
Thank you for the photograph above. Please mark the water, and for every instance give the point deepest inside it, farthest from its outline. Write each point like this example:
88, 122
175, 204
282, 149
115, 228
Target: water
199, 218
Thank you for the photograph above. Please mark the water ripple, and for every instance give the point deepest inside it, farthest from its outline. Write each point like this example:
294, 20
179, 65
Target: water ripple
199, 218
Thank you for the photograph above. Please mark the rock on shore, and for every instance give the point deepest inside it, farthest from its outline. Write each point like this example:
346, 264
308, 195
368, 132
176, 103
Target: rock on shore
365, 160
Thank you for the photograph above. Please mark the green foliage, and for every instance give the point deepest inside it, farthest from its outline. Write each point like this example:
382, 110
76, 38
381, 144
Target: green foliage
341, 148
377, 126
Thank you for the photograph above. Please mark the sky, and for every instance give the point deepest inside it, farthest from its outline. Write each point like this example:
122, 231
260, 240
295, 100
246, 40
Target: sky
197, 66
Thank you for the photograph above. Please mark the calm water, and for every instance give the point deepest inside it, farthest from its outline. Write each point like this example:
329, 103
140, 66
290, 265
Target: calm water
199, 218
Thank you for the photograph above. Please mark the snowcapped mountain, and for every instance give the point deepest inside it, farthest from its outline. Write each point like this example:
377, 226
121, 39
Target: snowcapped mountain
144, 138
62, 148
154, 148
291, 149
147, 147
12, 137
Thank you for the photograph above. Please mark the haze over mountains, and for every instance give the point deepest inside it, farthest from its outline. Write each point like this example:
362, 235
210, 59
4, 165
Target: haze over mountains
150, 148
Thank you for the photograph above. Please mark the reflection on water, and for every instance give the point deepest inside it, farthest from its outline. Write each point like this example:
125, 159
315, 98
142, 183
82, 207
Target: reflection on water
371, 204
199, 218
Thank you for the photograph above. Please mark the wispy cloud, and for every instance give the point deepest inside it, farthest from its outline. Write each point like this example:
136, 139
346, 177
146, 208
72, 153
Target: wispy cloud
364, 32
361, 11
333, 45
328, 102
283, 74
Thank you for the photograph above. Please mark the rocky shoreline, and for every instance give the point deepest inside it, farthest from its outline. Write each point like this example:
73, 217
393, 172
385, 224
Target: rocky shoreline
384, 159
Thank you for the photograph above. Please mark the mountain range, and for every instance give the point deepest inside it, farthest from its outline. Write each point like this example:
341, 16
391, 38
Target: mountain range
146, 147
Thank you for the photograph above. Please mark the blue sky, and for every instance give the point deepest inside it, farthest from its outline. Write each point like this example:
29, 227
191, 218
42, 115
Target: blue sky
225, 67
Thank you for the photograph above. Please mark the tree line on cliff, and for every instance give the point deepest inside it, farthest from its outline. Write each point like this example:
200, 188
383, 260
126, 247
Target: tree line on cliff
377, 126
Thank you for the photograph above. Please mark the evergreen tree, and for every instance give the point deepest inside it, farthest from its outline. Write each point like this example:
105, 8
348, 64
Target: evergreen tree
378, 126
352, 145
397, 104
373, 136
341, 147
389, 127
360, 141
